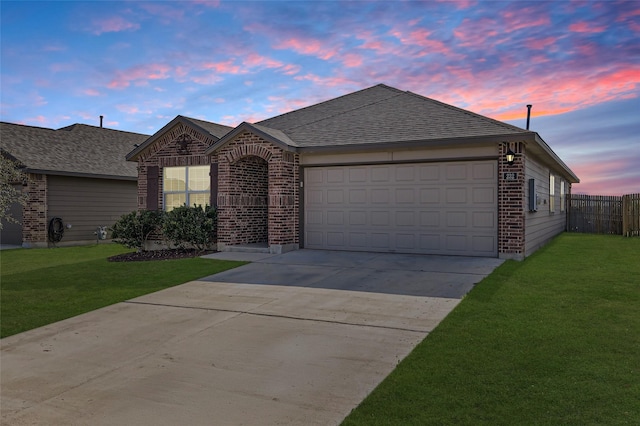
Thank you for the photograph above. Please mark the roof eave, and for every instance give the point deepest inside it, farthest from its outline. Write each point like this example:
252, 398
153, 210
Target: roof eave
79, 174
422, 143
546, 149
248, 127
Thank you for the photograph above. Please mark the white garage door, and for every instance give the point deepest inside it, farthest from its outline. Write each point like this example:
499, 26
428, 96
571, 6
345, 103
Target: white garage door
430, 208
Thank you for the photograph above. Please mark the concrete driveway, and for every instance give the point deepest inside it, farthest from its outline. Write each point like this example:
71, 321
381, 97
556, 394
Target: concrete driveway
298, 338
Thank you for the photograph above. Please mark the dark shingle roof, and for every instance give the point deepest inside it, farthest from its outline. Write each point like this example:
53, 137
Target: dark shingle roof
382, 114
215, 129
75, 150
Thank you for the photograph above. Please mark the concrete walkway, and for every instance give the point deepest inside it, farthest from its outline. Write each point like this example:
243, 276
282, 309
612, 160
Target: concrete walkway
298, 338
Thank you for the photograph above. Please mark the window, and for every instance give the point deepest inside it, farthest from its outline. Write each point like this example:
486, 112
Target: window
185, 185
552, 193
563, 195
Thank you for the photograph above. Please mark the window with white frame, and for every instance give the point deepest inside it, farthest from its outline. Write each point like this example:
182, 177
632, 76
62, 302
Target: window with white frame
552, 193
185, 185
563, 195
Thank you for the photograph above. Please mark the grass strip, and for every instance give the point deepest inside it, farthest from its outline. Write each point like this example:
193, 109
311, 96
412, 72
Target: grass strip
41, 286
552, 340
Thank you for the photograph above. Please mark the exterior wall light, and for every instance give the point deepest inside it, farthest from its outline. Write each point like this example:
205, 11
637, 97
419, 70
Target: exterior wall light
510, 156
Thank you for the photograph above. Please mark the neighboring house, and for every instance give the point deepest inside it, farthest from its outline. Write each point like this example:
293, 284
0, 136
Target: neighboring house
379, 170
77, 174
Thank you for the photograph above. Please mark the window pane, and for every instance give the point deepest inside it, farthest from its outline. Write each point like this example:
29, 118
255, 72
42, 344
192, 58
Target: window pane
174, 179
199, 178
172, 201
200, 199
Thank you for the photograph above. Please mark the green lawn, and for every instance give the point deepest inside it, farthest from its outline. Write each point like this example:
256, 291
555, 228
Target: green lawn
41, 286
553, 340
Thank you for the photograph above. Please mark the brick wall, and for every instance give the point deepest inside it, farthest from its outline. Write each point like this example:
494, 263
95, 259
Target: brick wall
239, 205
34, 216
511, 203
243, 207
166, 152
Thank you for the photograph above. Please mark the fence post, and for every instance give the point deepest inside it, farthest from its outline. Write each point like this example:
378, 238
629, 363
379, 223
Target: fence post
625, 217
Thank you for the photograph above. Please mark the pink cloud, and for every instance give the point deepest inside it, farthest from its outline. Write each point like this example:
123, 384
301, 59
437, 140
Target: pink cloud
207, 80
255, 60
521, 18
617, 177
585, 27
226, 67
307, 46
291, 69
422, 38
541, 44
476, 33
91, 92
139, 74
352, 60
112, 25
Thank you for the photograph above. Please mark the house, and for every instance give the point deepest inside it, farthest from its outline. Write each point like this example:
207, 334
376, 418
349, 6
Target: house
77, 174
381, 170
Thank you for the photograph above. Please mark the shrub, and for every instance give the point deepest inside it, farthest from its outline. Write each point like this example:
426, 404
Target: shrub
134, 229
191, 226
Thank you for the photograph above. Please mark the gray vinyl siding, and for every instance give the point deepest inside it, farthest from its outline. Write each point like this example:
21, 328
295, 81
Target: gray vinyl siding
87, 203
11, 232
542, 225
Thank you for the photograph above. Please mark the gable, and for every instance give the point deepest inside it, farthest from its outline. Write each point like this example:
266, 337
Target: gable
205, 132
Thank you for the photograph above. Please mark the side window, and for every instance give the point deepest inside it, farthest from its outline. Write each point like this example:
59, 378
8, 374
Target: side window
552, 193
563, 195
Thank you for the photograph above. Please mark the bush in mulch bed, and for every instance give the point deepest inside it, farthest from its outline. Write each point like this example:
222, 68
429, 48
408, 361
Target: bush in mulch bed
158, 255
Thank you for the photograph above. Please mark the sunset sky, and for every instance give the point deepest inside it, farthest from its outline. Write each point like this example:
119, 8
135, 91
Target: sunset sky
141, 63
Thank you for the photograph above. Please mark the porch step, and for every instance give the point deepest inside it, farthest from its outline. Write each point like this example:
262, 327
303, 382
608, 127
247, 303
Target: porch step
249, 248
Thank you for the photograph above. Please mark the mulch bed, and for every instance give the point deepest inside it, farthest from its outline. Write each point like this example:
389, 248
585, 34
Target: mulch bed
158, 255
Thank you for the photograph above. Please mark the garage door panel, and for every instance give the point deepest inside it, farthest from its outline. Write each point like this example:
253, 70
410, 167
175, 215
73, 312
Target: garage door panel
430, 172
484, 171
435, 208
483, 195
357, 175
379, 196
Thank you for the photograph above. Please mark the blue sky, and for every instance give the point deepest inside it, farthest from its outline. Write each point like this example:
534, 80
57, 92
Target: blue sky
141, 63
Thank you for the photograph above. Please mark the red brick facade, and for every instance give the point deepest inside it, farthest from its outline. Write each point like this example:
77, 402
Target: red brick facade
258, 185
34, 214
167, 152
511, 202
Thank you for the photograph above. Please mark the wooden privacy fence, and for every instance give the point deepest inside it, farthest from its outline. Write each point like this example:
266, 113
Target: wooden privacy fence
604, 214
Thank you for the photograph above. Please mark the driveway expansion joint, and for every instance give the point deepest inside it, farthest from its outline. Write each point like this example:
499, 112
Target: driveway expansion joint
262, 314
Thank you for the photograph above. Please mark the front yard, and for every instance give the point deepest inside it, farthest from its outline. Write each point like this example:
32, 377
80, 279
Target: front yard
553, 340
41, 286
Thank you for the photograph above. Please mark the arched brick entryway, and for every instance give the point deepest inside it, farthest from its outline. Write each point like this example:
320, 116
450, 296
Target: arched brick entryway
248, 223
258, 194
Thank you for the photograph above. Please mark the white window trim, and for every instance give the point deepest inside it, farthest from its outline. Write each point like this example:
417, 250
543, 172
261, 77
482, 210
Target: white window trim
552, 193
186, 190
563, 195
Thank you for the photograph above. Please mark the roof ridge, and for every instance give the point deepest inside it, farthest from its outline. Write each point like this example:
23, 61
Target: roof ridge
468, 112
346, 111
28, 125
330, 100
92, 127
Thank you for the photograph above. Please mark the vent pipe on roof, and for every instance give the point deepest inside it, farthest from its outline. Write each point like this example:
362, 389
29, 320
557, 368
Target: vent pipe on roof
528, 115
102, 116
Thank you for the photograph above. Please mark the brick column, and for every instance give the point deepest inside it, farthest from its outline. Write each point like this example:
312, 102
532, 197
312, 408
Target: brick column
34, 214
284, 188
511, 203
